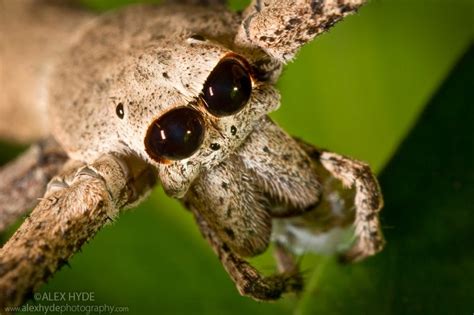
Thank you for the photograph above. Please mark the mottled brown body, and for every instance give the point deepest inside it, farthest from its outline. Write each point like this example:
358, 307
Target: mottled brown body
113, 77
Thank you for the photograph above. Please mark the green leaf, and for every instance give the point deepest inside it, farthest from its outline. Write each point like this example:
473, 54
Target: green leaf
428, 264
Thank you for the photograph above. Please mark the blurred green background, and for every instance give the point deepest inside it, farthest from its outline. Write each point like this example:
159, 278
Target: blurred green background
356, 90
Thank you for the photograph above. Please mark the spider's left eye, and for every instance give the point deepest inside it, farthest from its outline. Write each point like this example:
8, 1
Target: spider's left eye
227, 89
176, 135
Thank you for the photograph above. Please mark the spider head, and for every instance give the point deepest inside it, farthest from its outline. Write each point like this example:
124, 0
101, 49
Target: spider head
207, 100
180, 132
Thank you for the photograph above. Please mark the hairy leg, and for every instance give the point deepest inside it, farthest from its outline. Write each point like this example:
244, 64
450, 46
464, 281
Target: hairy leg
232, 205
281, 169
367, 200
24, 180
281, 27
248, 280
269, 176
64, 220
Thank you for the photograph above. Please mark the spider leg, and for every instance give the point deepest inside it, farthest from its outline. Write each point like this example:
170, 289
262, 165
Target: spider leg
269, 176
248, 280
281, 169
367, 200
281, 27
65, 219
24, 180
232, 205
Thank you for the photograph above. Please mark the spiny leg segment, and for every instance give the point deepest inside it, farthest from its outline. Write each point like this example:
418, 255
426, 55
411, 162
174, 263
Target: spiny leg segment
65, 219
368, 200
248, 280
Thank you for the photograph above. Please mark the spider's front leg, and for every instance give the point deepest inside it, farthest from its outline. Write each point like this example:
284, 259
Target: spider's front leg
248, 280
71, 213
234, 202
309, 206
368, 199
228, 199
281, 27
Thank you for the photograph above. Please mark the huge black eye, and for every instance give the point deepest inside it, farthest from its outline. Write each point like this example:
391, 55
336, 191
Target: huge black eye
175, 135
227, 89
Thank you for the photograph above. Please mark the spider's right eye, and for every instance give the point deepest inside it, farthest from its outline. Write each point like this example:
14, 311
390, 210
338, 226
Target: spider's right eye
227, 89
176, 135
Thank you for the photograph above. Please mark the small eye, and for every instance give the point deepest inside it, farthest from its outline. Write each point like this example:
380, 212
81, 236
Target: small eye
227, 89
120, 111
176, 135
